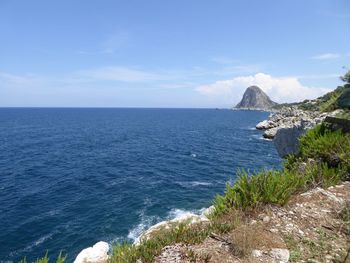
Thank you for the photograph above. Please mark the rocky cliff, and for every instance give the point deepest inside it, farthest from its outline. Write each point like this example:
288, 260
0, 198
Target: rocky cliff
288, 124
255, 99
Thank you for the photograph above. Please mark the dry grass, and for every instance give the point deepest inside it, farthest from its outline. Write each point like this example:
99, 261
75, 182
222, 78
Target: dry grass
247, 237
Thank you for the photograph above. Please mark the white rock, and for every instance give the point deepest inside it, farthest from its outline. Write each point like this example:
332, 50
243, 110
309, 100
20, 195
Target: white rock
207, 212
253, 222
266, 219
270, 133
188, 218
280, 254
266, 124
95, 254
257, 253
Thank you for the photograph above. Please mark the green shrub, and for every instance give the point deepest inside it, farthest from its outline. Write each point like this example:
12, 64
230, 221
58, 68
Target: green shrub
332, 147
275, 187
344, 99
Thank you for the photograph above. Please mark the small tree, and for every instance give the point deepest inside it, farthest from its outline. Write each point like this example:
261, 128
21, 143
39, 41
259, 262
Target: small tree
346, 77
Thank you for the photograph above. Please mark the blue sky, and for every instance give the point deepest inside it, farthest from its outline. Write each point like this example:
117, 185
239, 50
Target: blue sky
184, 53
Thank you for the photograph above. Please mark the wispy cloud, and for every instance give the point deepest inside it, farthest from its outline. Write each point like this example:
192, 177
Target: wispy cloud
8, 79
118, 73
280, 89
326, 56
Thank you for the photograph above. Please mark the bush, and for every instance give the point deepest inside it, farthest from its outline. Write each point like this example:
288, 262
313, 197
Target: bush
332, 147
344, 100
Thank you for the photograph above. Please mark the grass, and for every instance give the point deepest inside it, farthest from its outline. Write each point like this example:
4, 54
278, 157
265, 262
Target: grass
193, 257
331, 147
60, 259
293, 246
345, 216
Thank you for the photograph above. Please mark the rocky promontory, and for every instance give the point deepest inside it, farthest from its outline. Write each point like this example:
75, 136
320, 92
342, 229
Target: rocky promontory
288, 124
255, 99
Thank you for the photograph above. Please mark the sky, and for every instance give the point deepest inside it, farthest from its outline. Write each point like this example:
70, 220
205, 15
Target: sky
156, 53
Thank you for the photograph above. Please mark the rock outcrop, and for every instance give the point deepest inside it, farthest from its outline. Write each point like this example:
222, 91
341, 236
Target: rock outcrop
98, 253
255, 99
188, 218
288, 124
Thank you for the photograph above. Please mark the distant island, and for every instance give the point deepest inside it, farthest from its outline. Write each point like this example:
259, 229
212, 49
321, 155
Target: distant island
255, 99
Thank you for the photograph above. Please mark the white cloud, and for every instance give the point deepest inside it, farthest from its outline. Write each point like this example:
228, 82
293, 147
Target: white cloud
281, 89
326, 56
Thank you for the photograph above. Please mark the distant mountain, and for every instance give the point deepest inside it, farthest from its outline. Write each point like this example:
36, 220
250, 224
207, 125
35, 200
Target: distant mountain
255, 99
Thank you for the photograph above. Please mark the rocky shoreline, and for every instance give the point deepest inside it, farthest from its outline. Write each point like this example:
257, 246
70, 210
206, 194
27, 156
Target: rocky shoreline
285, 126
99, 253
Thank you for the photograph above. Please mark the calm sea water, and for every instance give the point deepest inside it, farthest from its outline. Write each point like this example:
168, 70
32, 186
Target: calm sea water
72, 177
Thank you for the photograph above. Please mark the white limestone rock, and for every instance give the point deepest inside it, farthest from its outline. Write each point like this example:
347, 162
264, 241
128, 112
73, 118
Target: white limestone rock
187, 218
280, 254
98, 253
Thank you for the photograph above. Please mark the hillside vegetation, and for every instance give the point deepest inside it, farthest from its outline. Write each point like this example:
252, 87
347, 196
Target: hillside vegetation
336, 99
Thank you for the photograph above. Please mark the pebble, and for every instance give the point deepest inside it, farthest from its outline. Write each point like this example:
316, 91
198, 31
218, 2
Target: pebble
266, 219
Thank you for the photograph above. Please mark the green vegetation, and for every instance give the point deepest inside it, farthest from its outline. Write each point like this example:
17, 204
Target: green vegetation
345, 216
330, 147
329, 152
346, 77
345, 114
329, 102
61, 259
336, 99
344, 98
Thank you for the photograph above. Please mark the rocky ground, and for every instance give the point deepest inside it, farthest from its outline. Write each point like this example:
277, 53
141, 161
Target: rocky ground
288, 124
312, 227
288, 117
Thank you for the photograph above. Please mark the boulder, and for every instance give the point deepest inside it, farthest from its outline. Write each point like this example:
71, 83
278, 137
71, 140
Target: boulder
264, 125
280, 254
187, 218
98, 253
286, 139
270, 133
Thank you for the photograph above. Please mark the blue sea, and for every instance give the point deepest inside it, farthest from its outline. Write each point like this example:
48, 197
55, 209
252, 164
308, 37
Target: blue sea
72, 177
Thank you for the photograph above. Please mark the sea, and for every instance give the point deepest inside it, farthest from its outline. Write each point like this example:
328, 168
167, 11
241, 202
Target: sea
70, 177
